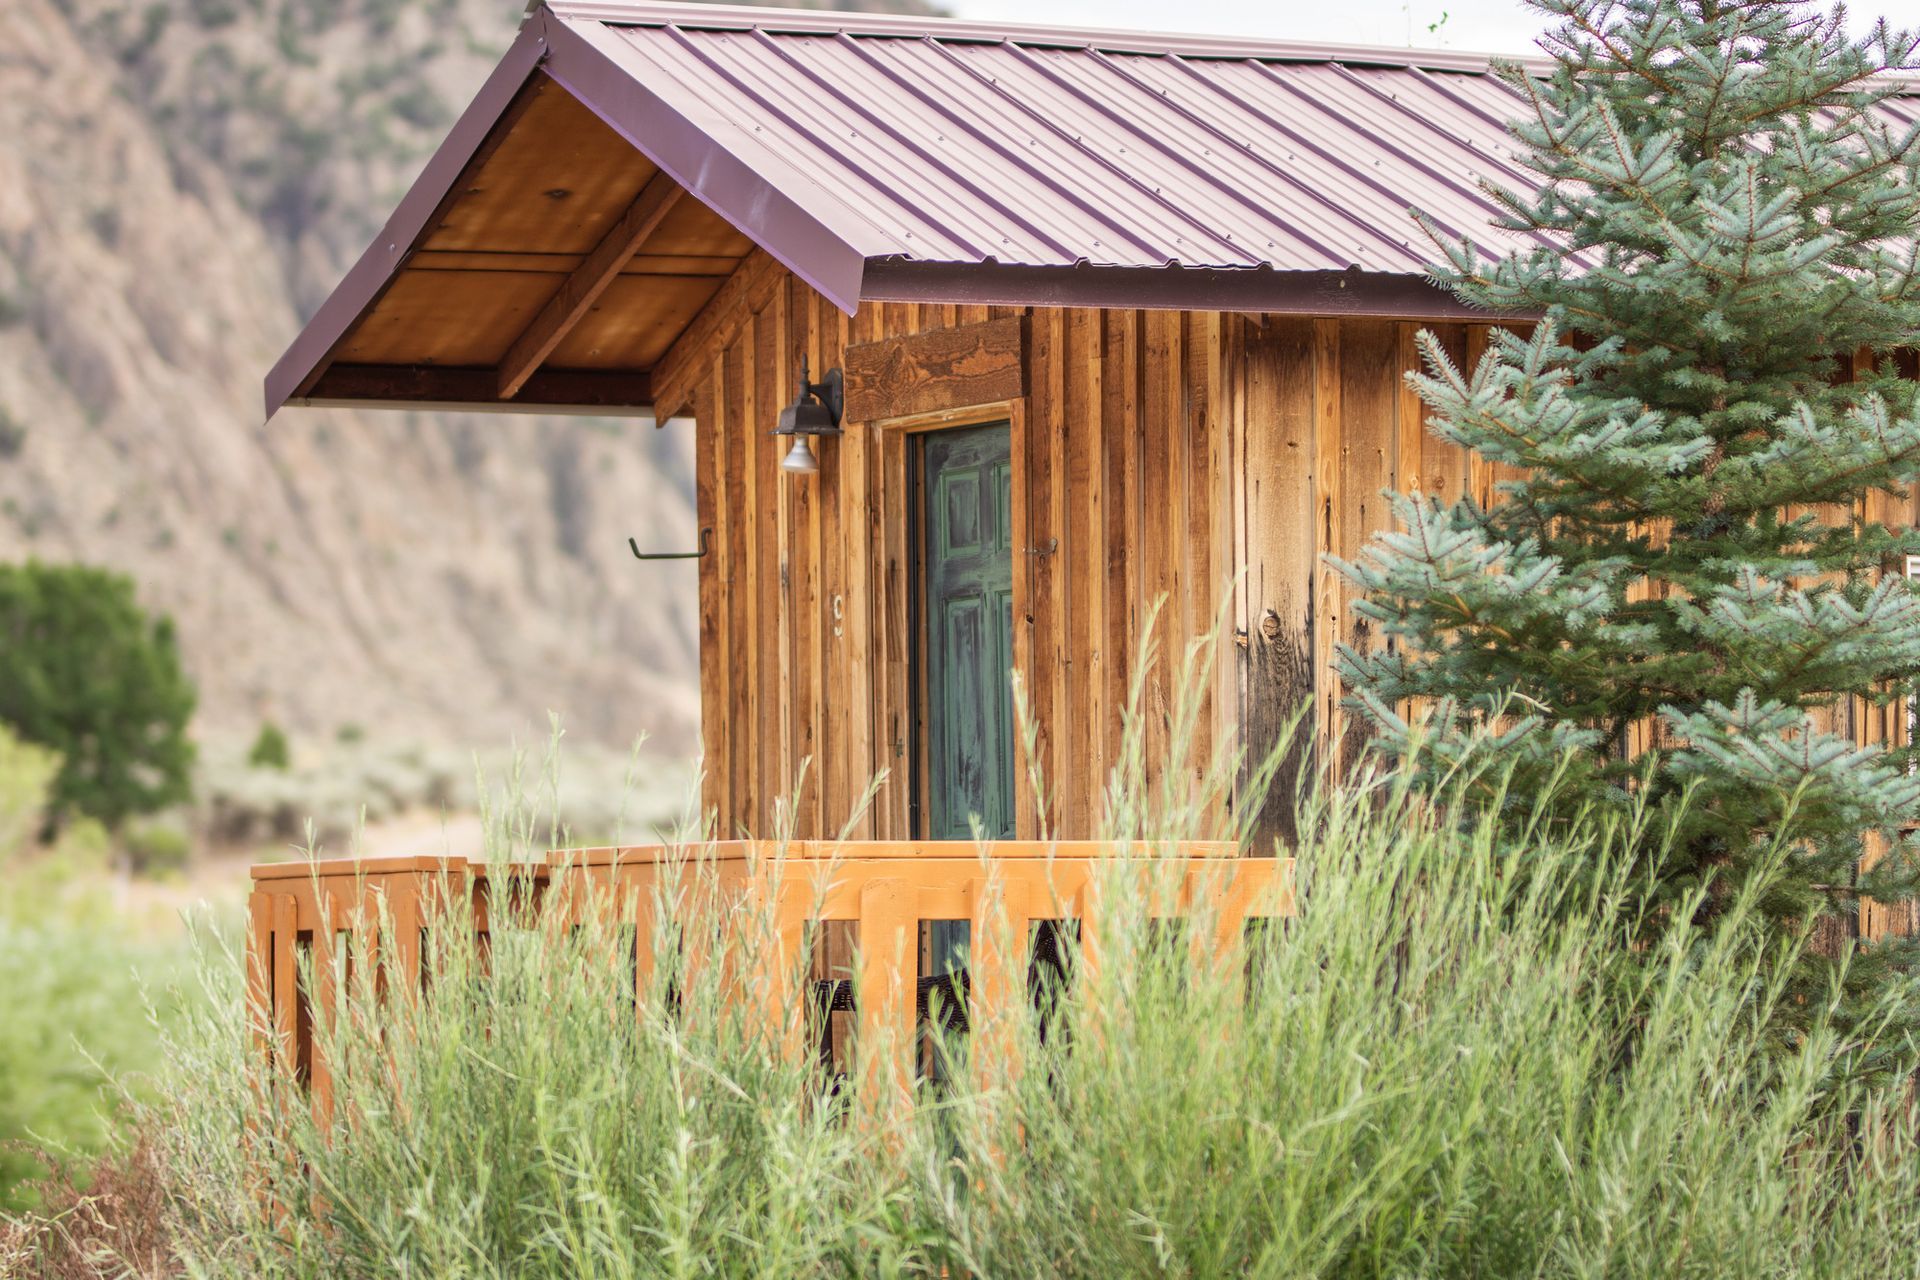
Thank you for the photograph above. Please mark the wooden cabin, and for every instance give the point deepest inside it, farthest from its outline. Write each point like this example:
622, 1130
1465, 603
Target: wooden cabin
1114, 319
1061, 327
1117, 319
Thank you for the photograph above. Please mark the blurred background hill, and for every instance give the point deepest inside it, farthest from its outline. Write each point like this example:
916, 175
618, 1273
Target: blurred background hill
180, 183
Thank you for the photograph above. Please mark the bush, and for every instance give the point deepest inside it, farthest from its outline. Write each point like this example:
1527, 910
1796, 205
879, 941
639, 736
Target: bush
89, 674
601, 793
115, 1209
247, 798
1450, 1064
74, 1019
270, 750
157, 848
27, 774
1426, 1077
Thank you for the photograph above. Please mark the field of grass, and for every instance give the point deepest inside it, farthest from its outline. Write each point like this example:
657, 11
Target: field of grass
76, 1032
1450, 1064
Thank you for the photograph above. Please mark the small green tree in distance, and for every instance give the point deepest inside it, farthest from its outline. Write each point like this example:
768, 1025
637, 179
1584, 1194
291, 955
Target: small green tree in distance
270, 749
86, 671
1721, 215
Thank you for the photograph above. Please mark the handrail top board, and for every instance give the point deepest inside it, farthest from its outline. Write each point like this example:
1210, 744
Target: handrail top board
738, 850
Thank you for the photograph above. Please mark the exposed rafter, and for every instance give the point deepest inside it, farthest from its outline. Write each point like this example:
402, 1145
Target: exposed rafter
676, 373
577, 295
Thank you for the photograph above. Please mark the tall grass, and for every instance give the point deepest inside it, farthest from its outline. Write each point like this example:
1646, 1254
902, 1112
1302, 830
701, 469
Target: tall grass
75, 1028
1451, 1063
72, 1010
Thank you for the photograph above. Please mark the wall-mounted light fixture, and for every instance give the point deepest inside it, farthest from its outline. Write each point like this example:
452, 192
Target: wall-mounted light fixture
815, 411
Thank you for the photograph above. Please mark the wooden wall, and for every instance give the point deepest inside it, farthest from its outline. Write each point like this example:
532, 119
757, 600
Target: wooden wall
1156, 455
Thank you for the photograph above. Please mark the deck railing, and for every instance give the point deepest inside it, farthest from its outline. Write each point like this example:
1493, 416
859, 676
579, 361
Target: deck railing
325, 917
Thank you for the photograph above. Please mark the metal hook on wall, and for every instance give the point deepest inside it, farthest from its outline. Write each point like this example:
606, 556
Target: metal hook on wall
638, 554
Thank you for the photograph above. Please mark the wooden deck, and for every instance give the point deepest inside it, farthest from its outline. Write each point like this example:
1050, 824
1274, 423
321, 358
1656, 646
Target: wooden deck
330, 914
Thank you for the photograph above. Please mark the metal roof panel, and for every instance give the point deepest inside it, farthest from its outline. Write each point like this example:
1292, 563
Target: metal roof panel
932, 142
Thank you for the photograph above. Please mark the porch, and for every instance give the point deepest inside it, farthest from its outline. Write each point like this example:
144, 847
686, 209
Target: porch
314, 926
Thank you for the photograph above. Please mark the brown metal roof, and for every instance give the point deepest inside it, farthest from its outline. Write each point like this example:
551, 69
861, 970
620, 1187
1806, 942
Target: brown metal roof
909, 159
951, 143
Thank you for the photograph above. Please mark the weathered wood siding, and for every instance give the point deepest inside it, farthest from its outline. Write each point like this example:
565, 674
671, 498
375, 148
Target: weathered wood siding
1203, 459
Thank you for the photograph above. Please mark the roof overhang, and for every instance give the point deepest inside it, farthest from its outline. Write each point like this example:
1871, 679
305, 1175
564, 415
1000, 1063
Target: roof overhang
1172, 288
765, 197
306, 375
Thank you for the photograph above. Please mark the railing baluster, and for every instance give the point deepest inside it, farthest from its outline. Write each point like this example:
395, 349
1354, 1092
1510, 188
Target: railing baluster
260, 976
286, 986
403, 899
325, 1002
998, 963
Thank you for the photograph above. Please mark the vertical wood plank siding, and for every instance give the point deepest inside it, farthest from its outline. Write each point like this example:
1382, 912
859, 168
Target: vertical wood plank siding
1196, 461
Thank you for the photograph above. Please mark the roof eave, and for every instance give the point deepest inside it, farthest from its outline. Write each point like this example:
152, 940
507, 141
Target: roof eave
586, 69
312, 350
1172, 288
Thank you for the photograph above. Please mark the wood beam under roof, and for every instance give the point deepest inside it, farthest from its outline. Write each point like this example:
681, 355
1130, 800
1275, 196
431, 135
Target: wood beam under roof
472, 390
589, 280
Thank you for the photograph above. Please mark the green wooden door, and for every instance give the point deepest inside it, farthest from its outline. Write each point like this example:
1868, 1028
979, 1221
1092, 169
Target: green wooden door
967, 589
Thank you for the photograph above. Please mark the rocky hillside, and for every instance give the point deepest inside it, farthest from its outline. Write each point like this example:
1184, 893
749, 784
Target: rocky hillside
180, 183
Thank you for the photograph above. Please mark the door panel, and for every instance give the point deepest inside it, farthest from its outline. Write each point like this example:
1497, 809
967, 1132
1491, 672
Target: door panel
967, 593
967, 730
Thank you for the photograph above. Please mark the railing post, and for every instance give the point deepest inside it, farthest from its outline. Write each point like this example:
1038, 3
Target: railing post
260, 980
889, 970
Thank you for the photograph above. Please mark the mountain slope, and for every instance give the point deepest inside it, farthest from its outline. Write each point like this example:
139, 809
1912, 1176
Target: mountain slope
449, 578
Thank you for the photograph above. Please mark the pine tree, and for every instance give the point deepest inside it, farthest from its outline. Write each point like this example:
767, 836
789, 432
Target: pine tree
1682, 596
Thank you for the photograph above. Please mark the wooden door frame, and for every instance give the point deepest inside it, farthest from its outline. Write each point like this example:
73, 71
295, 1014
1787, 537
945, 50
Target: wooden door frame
900, 448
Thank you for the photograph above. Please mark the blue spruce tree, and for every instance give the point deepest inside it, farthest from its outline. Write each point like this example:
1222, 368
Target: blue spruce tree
1683, 596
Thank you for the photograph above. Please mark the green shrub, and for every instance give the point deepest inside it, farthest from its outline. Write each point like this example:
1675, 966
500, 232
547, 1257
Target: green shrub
157, 848
27, 774
76, 1031
270, 749
91, 675
1451, 1063
1424, 1076
601, 792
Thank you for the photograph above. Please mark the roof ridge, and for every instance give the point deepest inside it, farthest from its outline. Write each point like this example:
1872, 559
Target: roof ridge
719, 15
730, 17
